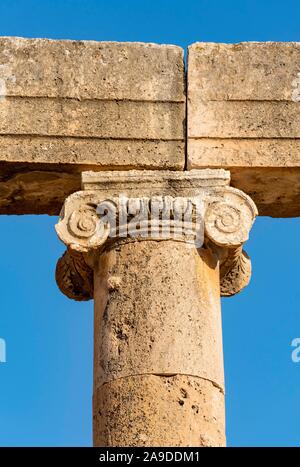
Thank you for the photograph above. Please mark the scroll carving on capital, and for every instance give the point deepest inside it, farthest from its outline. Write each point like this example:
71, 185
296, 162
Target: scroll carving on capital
229, 216
235, 272
196, 207
74, 276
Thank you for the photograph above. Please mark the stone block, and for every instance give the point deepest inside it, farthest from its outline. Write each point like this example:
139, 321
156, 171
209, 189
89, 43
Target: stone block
244, 115
68, 106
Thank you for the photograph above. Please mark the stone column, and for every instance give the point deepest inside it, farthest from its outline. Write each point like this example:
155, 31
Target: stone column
156, 261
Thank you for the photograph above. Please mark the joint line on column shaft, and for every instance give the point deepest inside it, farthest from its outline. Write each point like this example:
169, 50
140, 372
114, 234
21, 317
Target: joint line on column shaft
168, 375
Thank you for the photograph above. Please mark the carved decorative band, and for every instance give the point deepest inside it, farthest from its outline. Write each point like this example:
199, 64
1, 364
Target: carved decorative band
224, 215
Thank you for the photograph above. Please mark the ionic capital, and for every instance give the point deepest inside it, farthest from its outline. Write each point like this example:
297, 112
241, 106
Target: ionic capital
197, 207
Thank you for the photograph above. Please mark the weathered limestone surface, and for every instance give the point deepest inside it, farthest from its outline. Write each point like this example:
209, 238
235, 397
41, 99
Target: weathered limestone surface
178, 332
244, 115
152, 410
158, 366
157, 312
69, 106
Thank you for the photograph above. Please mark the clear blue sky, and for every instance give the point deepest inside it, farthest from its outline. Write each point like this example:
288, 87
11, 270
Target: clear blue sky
46, 384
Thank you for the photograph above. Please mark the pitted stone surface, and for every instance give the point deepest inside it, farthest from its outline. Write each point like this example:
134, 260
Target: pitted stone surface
151, 410
160, 312
243, 115
69, 106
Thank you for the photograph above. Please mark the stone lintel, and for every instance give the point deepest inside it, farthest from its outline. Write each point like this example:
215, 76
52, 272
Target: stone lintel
73, 106
69, 106
244, 115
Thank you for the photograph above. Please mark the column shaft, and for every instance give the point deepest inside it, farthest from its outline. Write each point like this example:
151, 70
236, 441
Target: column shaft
158, 366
